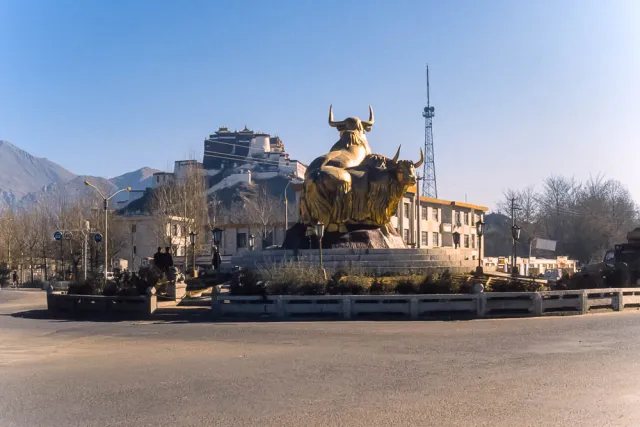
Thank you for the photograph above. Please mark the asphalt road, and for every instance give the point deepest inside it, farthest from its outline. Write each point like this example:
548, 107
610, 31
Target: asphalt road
578, 371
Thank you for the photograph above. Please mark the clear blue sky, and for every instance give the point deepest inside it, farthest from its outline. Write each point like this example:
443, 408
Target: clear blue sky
522, 89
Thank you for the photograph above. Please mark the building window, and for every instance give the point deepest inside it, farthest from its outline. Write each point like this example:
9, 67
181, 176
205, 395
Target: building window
425, 238
434, 214
241, 239
135, 250
424, 213
133, 228
458, 222
466, 218
476, 219
406, 236
473, 241
157, 178
406, 210
175, 229
466, 240
435, 237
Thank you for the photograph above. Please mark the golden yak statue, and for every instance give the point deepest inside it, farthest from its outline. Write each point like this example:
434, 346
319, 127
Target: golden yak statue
350, 185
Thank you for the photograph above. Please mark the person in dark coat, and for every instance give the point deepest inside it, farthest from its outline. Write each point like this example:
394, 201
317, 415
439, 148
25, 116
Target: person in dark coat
168, 258
216, 258
158, 259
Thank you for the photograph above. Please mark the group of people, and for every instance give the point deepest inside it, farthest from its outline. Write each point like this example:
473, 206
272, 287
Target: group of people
163, 260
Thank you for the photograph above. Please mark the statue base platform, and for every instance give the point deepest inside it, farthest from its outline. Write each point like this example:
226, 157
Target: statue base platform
357, 237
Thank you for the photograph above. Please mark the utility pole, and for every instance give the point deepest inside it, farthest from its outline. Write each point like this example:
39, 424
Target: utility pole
514, 235
85, 247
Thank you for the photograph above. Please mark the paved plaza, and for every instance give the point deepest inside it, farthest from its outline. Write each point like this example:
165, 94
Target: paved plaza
191, 371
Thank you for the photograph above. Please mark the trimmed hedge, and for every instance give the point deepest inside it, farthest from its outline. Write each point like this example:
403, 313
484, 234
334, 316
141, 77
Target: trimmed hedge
293, 279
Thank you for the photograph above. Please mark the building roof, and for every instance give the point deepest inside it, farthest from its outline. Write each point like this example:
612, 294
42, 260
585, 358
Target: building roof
412, 190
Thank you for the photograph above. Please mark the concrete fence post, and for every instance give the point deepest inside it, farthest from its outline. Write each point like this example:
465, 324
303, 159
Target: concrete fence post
415, 309
346, 307
215, 306
620, 302
279, 307
481, 304
537, 304
584, 303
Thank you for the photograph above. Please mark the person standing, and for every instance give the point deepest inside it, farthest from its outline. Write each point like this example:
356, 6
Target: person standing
216, 258
168, 257
158, 259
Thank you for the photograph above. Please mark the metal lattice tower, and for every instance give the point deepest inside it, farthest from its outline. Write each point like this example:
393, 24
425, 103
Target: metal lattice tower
429, 188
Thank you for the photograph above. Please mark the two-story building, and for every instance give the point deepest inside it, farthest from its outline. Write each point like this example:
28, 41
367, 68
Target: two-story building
143, 234
422, 222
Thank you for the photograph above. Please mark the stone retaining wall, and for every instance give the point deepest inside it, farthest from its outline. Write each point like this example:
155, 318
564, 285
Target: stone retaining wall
482, 305
58, 302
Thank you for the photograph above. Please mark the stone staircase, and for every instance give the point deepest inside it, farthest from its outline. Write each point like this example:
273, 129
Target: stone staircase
378, 260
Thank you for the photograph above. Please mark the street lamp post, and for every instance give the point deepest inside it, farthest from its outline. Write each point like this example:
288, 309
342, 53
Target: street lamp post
290, 177
286, 208
320, 233
217, 238
105, 206
515, 234
192, 240
479, 232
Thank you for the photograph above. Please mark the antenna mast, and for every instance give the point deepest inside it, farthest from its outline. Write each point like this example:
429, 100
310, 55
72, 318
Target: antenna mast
430, 188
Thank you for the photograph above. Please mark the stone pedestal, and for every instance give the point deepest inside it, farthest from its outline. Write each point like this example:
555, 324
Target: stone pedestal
357, 237
177, 290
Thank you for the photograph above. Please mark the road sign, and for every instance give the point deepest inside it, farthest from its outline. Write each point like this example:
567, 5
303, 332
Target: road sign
57, 235
68, 235
97, 237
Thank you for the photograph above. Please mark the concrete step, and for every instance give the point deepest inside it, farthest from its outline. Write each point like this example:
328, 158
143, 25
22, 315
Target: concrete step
379, 265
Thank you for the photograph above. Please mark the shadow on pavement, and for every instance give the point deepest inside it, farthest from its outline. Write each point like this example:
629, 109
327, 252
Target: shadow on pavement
161, 315
204, 315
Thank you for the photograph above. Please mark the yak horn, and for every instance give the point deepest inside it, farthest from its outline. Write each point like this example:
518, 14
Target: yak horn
370, 122
397, 156
331, 122
419, 163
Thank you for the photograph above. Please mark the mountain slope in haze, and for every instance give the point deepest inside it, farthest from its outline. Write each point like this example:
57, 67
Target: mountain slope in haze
137, 180
22, 173
24, 178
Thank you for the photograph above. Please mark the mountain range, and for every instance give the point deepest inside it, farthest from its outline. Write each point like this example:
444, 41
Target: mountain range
24, 178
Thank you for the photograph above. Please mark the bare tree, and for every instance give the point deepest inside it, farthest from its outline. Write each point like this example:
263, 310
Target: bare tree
558, 204
183, 201
263, 211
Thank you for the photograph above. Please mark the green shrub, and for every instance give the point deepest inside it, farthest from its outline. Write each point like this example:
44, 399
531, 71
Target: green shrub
247, 282
409, 285
150, 275
293, 279
349, 285
584, 281
514, 285
92, 286
439, 284
380, 286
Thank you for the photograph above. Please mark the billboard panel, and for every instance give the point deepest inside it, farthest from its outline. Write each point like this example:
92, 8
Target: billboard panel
544, 244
